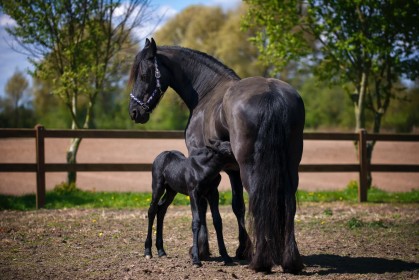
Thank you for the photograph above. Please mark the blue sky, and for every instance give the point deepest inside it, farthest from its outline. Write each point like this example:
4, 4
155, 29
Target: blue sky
10, 60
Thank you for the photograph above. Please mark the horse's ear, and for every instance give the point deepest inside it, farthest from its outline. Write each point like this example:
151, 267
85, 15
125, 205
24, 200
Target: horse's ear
151, 48
147, 43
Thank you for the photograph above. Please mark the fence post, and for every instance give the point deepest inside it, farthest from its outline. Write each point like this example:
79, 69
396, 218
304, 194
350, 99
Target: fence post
363, 166
40, 166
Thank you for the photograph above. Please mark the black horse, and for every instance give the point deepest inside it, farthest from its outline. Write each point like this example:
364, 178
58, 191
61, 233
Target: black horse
263, 119
197, 176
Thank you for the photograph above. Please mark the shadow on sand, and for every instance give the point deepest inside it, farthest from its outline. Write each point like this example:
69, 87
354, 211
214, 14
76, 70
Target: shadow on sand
330, 264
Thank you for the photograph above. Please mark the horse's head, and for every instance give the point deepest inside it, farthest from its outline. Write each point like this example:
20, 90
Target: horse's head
148, 83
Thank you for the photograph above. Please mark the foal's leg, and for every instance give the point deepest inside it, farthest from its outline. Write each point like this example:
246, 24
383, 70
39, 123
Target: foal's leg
203, 244
157, 192
196, 224
161, 212
213, 197
239, 209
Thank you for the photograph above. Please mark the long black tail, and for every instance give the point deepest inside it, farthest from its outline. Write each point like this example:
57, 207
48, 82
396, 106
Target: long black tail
270, 193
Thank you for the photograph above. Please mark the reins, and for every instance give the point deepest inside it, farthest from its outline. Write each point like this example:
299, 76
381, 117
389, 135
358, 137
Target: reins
157, 93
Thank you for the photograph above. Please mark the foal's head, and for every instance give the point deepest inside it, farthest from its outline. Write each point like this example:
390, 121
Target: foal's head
215, 153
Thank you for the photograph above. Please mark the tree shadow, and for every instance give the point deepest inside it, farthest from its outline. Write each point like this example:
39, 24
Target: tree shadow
331, 264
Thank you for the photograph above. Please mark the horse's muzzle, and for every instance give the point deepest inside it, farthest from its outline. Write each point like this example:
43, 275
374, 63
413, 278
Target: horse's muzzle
137, 117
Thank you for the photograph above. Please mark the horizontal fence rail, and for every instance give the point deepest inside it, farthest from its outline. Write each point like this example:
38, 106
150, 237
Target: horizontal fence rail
40, 167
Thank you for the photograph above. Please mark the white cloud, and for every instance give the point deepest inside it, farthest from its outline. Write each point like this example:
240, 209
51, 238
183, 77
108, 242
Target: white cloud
5, 20
160, 16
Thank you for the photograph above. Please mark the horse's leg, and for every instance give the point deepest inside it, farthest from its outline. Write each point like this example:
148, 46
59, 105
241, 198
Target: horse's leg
196, 224
161, 212
291, 259
157, 192
239, 209
213, 197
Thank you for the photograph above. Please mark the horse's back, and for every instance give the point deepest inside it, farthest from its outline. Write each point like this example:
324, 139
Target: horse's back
251, 92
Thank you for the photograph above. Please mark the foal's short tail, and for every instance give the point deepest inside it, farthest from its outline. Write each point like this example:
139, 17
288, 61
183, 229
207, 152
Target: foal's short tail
271, 195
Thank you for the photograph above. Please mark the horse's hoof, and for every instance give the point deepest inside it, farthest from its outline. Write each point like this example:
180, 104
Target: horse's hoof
147, 257
296, 269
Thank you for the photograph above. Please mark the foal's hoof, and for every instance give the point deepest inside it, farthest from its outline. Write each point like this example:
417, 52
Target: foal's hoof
162, 254
147, 257
197, 264
228, 261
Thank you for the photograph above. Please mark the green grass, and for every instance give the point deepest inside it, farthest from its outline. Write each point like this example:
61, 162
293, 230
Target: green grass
71, 197
351, 194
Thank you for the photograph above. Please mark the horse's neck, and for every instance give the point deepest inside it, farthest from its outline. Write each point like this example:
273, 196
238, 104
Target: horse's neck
193, 81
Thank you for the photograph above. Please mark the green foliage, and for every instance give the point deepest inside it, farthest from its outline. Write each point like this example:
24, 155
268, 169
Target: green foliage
369, 44
15, 108
326, 107
80, 49
170, 114
350, 194
328, 212
403, 114
354, 223
65, 188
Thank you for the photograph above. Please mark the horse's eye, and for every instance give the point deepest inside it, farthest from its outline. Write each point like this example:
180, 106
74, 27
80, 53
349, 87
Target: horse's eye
144, 77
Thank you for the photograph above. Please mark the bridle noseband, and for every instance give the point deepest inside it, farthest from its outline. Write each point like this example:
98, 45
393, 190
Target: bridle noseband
157, 93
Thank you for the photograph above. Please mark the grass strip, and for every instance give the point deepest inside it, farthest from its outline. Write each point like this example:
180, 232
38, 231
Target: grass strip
71, 197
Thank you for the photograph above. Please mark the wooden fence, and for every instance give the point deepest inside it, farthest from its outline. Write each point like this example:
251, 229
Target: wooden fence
40, 167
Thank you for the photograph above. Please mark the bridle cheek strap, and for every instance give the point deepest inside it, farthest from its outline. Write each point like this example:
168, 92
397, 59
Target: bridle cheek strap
154, 97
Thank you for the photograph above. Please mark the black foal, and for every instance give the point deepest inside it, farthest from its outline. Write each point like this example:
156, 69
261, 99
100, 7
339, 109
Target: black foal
197, 176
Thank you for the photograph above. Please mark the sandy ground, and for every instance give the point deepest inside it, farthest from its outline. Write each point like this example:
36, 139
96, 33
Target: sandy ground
145, 150
337, 241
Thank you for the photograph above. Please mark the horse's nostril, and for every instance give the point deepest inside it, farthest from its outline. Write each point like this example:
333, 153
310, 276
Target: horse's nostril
134, 114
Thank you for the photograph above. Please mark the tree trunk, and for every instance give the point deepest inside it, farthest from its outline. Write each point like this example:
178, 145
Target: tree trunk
71, 159
360, 119
71, 155
75, 142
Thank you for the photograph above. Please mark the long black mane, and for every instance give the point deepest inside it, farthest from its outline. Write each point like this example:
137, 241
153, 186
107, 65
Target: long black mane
200, 59
207, 71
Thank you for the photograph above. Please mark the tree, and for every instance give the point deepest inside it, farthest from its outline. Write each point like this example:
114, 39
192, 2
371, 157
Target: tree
48, 108
369, 44
73, 43
16, 93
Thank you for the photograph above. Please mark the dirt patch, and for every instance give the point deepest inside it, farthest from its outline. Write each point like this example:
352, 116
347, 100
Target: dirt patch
145, 150
337, 241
